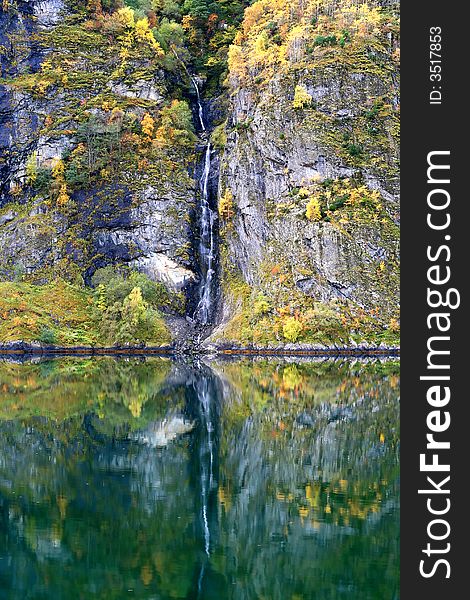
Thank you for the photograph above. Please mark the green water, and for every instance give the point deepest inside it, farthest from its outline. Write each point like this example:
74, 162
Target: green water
244, 480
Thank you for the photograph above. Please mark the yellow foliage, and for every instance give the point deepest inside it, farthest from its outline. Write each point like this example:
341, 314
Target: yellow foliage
135, 33
63, 197
58, 170
135, 406
148, 125
261, 305
359, 194
31, 168
142, 29
279, 33
107, 105
236, 62
226, 206
144, 34
291, 329
302, 98
254, 14
261, 44
313, 210
187, 22
291, 377
360, 19
296, 43
126, 17
41, 86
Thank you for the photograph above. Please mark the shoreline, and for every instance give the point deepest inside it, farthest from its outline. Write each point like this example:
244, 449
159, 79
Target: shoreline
26, 348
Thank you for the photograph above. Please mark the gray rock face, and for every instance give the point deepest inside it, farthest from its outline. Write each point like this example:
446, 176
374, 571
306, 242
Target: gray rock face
161, 268
145, 90
273, 151
50, 150
28, 241
129, 221
7, 217
48, 12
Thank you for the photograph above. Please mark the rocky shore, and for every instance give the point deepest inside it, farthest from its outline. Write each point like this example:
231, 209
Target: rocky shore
363, 349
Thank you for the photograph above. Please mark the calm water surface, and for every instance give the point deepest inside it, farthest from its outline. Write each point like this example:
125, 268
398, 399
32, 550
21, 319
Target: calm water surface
153, 479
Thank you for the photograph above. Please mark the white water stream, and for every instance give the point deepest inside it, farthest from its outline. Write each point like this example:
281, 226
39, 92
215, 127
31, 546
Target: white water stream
199, 104
206, 230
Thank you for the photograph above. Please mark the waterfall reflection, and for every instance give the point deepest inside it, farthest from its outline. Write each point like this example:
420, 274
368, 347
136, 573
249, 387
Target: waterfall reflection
204, 402
234, 481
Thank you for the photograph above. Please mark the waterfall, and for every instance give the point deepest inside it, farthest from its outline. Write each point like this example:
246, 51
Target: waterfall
202, 314
199, 104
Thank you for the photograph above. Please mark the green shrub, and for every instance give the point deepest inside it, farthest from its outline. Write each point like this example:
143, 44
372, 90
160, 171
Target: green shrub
115, 285
47, 336
133, 321
128, 306
219, 136
43, 179
353, 150
325, 40
261, 305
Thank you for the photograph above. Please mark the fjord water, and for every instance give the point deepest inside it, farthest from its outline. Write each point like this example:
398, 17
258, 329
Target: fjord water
154, 479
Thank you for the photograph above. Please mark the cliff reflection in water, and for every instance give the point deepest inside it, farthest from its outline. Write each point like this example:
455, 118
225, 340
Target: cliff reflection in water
242, 480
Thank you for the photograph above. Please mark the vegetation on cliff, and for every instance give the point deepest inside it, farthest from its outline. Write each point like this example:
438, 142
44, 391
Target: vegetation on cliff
120, 310
315, 118
101, 167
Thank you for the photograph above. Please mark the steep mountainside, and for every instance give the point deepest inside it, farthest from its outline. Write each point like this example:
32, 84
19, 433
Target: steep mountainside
94, 172
109, 111
309, 179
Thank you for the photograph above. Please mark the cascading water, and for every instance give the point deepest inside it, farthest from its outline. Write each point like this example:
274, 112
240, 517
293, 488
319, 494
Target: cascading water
205, 394
200, 112
208, 217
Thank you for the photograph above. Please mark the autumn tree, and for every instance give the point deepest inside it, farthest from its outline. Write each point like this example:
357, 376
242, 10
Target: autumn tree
148, 125
313, 210
292, 328
226, 206
200, 9
302, 99
59, 186
176, 124
94, 7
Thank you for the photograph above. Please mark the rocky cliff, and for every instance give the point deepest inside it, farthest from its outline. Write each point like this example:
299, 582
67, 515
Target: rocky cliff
100, 159
83, 184
309, 178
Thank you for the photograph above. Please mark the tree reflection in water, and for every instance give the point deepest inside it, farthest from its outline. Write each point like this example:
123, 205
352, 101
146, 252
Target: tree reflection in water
241, 480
